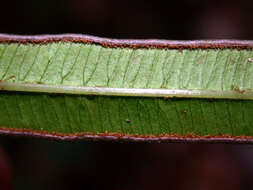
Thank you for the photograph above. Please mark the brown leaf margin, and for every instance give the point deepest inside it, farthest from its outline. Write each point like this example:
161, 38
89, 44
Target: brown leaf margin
129, 43
106, 136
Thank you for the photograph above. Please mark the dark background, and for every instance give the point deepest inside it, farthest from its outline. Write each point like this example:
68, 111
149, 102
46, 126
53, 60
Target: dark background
27, 163
177, 19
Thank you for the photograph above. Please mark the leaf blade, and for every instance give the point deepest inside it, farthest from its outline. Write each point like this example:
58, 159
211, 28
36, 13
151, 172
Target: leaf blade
211, 85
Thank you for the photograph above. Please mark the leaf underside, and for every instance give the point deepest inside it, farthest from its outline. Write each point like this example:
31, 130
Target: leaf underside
91, 65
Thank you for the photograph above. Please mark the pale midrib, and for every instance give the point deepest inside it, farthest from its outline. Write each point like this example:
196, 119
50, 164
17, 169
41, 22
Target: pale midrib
137, 92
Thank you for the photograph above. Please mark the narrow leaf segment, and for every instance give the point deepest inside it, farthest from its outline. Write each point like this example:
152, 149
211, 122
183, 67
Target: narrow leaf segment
83, 87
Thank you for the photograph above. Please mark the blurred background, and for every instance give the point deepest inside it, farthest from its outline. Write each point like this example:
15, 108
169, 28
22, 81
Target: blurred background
27, 163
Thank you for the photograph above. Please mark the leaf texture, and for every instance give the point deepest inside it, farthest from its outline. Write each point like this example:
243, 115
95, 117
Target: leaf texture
78, 64
95, 66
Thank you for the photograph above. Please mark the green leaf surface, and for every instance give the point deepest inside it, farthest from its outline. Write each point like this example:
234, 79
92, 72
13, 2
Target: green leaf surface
92, 65
73, 88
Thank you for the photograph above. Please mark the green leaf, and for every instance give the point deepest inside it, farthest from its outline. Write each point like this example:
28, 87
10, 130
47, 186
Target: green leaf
70, 87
